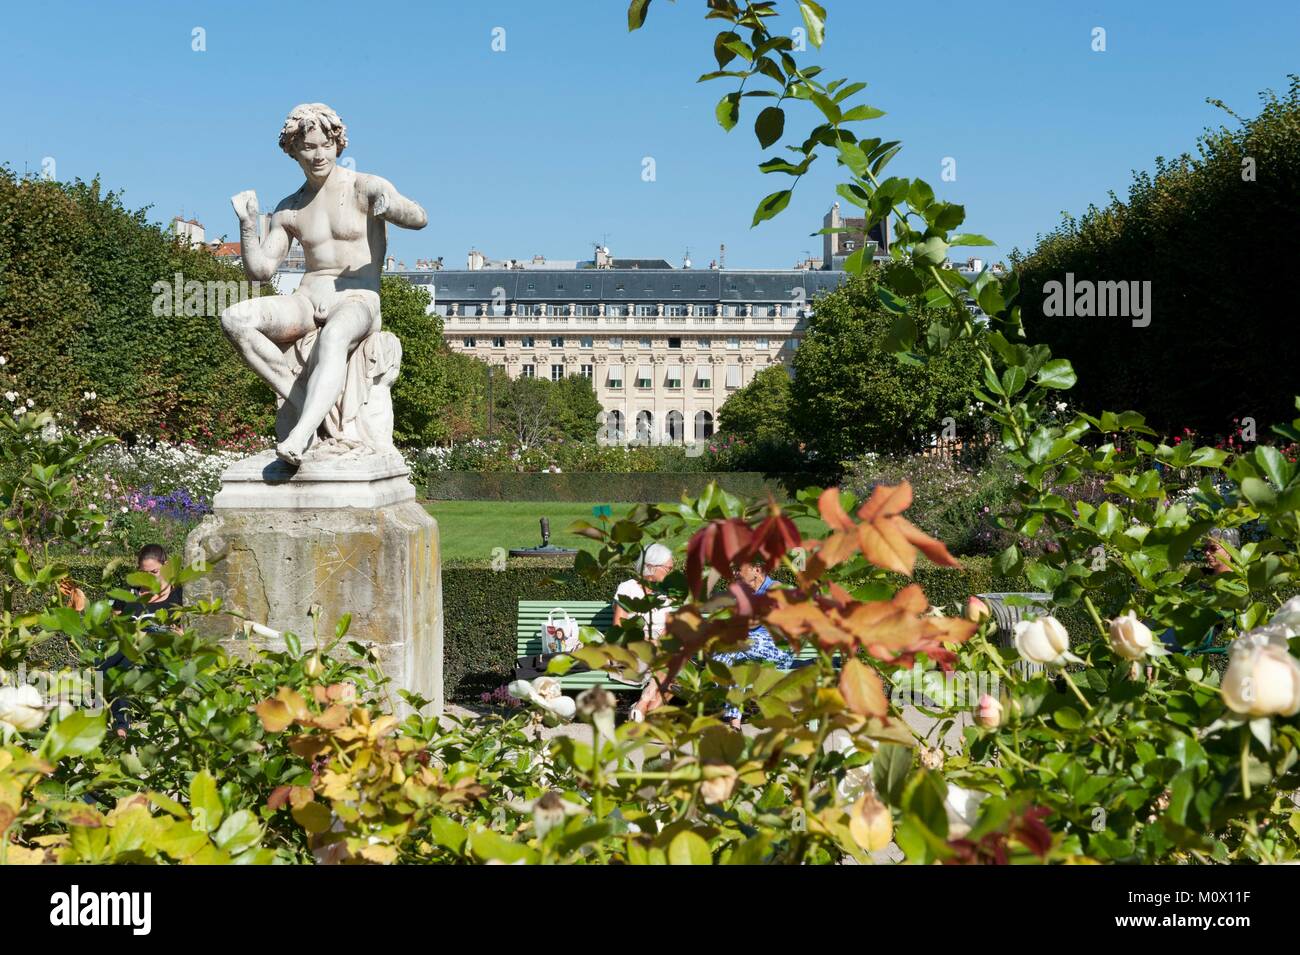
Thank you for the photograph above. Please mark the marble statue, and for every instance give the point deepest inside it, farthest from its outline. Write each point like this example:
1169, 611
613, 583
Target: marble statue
322, 349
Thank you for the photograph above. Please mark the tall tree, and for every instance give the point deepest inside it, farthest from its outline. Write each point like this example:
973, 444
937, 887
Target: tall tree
1209, 238
760, 411
579, 408
850, 395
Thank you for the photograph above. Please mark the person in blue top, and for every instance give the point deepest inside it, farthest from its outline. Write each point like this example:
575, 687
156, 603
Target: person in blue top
760, 646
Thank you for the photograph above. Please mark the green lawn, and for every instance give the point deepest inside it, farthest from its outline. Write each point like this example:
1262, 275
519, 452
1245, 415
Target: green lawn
471, 530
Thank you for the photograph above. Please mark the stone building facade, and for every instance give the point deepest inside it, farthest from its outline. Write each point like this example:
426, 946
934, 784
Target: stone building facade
663, 347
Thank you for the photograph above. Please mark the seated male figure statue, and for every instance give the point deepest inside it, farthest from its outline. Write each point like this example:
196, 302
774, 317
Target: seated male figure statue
339, 218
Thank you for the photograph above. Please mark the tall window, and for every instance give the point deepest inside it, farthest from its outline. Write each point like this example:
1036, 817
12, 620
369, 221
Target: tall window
674, 377
587, 371
527, 341
528, 371
645, 310
470, 341
703, 376
498, 341
677, 311
645, 422
586, 341
676, 427
614, 426
614, 380
703, 426
557, 372
557, 341
643, 377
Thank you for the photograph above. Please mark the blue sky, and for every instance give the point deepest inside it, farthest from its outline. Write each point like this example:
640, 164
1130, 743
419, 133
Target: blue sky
540, 148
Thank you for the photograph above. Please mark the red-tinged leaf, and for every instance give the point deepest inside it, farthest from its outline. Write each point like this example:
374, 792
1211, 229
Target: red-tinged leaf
832, 511
862, 690
837, 548
279, 798
886, 501
934, 549
883, 543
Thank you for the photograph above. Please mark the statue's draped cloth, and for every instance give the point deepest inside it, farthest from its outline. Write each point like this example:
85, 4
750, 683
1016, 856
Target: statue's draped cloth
362, 418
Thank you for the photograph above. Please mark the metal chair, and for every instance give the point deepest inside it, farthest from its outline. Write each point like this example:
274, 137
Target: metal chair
1007, 616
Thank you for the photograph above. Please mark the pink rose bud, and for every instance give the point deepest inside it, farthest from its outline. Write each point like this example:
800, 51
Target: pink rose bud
988, 712
977, 610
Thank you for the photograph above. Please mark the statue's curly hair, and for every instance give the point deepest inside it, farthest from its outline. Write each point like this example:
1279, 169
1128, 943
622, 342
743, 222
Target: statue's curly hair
307, 116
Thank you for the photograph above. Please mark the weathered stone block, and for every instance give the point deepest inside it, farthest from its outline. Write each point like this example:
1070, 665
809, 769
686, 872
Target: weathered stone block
381, 564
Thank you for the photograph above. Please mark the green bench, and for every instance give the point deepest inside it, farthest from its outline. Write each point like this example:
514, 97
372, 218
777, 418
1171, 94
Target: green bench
598, 614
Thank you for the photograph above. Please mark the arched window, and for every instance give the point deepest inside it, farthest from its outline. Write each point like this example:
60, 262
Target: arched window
645, 422
703, 426
676, 427
614, 427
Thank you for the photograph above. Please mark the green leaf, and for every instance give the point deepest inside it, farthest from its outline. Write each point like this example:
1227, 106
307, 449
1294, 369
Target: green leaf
814, 18
77, 734
771, 206
1068, 718
1057, 373
728, 111
687, 848
636, 13
858, 113
238, 832
769, 126
752, 851
969, 238
205, 801
889, 769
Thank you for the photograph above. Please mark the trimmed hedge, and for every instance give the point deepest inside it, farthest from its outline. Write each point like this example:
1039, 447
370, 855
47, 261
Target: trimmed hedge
649, 487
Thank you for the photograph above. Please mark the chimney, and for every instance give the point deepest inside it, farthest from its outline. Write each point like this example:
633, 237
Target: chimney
475, 263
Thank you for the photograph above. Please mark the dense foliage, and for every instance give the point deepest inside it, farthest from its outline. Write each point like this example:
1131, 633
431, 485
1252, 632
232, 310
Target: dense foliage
1209, 233
77, 316
439, 394
850, 395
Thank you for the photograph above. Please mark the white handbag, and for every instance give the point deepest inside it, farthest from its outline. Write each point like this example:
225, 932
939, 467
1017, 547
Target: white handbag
560, 635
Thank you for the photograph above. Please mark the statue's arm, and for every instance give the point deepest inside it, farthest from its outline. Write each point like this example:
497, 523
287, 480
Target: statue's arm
390, 205
263, 256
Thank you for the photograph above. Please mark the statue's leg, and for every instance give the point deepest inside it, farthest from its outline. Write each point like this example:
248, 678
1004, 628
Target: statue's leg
255, 325
348, 325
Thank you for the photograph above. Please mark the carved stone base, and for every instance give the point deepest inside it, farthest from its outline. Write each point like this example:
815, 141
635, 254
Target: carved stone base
350, 538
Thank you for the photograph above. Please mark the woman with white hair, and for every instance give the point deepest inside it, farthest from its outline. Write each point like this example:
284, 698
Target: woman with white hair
654, 564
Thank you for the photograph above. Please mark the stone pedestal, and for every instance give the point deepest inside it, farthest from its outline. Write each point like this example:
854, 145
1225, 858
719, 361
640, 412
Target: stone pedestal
343, 531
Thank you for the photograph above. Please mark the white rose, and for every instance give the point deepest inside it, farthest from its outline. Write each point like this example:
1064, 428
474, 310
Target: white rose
1131, 639
1262, 678
1288, 617
1044, 641
544, 692
21, 708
